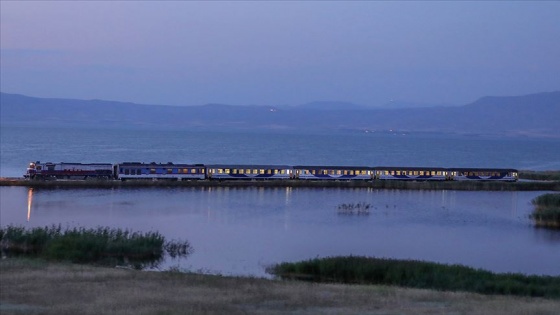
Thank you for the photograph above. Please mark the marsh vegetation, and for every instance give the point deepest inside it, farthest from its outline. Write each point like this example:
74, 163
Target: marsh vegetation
547, 211
102, 245
417, 274
354, 208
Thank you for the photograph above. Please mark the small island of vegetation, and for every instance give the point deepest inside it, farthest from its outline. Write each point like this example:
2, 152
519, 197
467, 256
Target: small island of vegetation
547, 211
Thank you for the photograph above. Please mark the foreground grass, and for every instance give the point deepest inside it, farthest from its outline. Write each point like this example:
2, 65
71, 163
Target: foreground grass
38, 287
417, 274
547, 211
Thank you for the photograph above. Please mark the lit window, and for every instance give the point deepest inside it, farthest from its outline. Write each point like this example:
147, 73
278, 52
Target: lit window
261, 171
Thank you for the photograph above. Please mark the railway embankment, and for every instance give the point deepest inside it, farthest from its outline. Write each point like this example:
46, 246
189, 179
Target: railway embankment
525, 185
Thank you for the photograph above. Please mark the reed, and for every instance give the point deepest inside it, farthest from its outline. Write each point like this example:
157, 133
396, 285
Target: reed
102, 245
358, 208
417, 274
547, 211
540, 175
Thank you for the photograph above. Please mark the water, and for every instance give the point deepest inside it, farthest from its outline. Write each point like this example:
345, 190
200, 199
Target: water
242, 230
20, 145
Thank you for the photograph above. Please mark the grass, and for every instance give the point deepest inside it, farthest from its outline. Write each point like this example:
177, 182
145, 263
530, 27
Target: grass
547, 211
540, 175
40, 287
102, 245
417, 274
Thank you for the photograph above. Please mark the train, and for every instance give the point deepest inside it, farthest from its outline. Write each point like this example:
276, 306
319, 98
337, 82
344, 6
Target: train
178, 172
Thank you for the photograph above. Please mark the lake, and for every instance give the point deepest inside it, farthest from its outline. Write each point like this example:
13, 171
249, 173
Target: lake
240, 231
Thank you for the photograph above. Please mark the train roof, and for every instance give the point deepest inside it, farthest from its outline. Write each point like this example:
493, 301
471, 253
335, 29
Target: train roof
266, 166
154, 164
333, 167
474, 169
409, 168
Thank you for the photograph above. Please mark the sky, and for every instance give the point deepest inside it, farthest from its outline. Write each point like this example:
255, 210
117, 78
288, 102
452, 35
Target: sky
279, 53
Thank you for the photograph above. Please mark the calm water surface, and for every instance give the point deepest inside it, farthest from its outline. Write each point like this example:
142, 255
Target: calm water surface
19, 146
240, 231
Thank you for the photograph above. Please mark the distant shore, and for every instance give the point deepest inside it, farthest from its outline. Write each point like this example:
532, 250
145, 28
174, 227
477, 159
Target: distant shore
531, 185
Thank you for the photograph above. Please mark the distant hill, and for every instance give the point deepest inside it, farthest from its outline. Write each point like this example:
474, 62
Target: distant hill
527, 115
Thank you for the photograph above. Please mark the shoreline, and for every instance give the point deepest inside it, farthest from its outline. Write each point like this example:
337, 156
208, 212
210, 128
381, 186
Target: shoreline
378, 184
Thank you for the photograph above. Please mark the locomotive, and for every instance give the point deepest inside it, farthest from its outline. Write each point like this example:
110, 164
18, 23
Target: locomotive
170, 171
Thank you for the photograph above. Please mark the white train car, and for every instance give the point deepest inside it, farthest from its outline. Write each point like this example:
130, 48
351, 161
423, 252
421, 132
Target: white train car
485, 174
248, 172
308, 172
410, 173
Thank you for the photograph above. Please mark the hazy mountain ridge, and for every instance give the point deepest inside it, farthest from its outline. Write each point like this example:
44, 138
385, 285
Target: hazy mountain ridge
530, 115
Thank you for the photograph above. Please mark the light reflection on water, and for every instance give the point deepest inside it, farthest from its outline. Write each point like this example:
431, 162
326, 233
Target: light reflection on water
242, 230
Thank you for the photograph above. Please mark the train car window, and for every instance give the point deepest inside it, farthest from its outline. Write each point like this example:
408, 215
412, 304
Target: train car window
234, 171
169, 171
152, 170
127, 172
261, 171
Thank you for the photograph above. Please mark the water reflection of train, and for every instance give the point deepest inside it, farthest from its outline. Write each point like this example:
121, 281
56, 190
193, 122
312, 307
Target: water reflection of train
171, 171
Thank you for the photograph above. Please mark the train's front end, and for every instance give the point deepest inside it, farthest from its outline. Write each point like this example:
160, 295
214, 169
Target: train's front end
31, 170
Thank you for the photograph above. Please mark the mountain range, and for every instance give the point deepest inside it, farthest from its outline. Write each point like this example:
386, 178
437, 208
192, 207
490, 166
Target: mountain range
534, 115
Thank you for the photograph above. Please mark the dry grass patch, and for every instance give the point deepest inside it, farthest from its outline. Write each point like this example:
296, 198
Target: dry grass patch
32, 287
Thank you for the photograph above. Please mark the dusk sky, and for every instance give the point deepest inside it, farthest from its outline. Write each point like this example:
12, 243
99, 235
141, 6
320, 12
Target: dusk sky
279, 53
